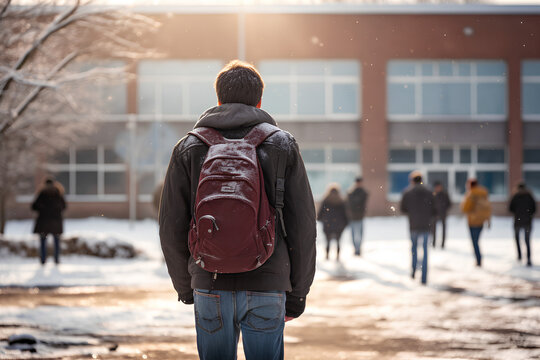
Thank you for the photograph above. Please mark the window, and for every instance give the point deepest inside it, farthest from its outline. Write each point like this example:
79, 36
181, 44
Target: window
331, 163
531, 169
154, 141
530, 89
459, 90
95, 173
311, 89
451, 166
106, 93
176, 89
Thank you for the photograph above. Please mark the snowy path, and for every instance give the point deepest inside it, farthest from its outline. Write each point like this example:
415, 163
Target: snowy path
359, 308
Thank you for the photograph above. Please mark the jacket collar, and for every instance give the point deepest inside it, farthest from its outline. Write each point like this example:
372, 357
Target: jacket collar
232, 116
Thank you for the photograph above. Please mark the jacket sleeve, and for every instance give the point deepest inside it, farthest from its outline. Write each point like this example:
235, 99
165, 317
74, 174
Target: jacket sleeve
512, 205
300, 224
467, 205
403, 204
38, 203
533, 205
174, 222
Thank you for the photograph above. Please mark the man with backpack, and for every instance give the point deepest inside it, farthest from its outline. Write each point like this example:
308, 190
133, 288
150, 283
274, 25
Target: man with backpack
237, 223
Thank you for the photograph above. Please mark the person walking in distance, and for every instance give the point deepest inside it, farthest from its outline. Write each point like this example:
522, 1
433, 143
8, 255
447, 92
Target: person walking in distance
442, 205
356, 204
478, 209
237, 223
333, 215
418, 203
49, 204
523, 206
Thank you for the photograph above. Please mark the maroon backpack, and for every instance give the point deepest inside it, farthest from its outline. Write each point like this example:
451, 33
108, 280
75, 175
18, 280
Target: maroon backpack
233, 225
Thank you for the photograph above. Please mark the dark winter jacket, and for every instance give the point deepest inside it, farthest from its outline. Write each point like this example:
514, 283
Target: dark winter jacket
333, 214
356, 202
418, 203
49, 204
442, 204
292, 265
523, 206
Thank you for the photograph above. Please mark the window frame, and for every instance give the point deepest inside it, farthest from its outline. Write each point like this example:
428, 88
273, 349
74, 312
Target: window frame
451, 168
293, 79
418, 79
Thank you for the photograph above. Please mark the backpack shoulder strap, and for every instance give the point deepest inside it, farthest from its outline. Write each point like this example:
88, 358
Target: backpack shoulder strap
208, 135
280, 188
259, 133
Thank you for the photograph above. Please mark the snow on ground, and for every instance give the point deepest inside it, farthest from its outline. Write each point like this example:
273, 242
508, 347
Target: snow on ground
378, 281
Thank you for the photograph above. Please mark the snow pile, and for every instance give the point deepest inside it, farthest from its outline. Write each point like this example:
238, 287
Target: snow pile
90, 244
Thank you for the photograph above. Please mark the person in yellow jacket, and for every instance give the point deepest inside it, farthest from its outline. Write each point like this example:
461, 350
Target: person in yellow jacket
478, 209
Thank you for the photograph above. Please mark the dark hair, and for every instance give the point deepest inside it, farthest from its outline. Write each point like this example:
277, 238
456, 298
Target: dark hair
473, 182
417, 179
522, 185
358, 179
239, 82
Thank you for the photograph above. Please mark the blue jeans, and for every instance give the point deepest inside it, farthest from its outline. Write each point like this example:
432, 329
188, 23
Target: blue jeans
475, 237
357, 229
43, 248
221, 315
414, 239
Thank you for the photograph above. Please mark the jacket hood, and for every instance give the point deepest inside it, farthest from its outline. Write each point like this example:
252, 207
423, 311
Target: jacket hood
232, 116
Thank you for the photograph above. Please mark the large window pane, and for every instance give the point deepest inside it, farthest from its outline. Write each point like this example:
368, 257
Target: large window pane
461, 182
402, 156
490, 68
530, 68
275, 67
310, 67
401, 68
531, 156
344, 156
112, 157
494, 181
276, 98
530, 99
427, 156
345, 98
532, 179
115, 183
313, 155
311, 99
63, 178
401, 99
492, 99
446, 99
465, 156
201, 97
171, 99
344, 67
399, 180
446, 156
86, 182
86, 156
491, 156
146, 102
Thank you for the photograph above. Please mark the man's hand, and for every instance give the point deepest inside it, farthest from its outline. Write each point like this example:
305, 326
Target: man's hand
288, 318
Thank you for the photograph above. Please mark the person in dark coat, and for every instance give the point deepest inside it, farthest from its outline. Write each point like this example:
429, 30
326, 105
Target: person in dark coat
356, 205
442, 205
523, 206
333, 214
418, 203
49, 204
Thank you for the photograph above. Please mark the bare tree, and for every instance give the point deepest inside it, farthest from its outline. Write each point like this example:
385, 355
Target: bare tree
42, 105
